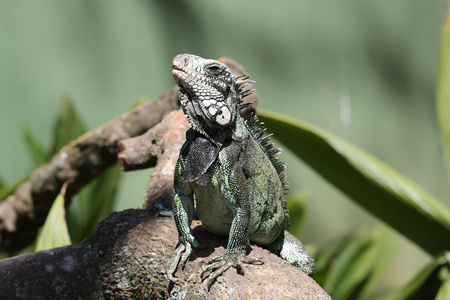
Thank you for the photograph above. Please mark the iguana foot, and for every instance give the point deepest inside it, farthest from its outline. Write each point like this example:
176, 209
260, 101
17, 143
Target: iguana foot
182, 254
219, 264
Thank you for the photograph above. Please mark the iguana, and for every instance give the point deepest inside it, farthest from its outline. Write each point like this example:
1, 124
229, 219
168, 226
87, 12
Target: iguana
227, 173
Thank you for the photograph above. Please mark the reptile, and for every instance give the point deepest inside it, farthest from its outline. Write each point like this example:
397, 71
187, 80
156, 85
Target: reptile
228, 174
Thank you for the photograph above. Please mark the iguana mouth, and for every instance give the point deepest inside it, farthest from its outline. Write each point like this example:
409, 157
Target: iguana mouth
177, 74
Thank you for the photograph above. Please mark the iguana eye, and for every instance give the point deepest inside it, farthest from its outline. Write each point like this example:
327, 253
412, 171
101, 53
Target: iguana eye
214, 70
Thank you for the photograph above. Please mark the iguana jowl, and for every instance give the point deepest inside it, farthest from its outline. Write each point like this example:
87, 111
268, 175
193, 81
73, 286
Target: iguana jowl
227, 173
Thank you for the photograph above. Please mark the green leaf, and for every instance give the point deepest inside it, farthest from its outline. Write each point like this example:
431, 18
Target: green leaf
325, 257
443, 90
93, 204
444, 291
297, 211
369, 182
54, 233
384, 244
354, 267
68, 125
36, 150
430, 283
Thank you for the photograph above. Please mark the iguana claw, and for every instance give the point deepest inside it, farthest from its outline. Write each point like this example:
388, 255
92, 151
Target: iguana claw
219, 264
182, 254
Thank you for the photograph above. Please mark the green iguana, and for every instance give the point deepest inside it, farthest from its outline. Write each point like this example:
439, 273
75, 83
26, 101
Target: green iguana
227, 173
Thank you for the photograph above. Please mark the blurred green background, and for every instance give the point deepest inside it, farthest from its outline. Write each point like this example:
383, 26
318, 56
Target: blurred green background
364, 70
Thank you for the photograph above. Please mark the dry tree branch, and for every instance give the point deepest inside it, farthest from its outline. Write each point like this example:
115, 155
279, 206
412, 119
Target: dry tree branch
127, 257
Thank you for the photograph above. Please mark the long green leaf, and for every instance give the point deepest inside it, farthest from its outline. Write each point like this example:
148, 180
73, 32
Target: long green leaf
355, 266
68, 125
297, 211
54, 233
444, 291
93, 204
385, 244
326, 256
35, 148
369, 182
432, 281
443, 90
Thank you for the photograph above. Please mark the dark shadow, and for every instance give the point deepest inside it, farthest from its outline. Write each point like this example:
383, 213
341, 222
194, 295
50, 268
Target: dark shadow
208, 242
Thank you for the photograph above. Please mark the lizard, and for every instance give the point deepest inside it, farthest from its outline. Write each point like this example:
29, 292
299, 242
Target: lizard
228, 174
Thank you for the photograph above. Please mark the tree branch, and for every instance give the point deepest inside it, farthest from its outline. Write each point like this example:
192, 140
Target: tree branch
127, 257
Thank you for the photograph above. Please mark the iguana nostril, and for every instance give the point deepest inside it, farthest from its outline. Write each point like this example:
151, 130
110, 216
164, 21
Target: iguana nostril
180, 61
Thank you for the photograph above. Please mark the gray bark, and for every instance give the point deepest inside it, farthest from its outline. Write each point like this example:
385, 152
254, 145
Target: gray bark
127, 257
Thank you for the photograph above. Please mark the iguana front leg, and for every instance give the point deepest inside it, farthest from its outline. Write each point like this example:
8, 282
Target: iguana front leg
183, 210
235, 255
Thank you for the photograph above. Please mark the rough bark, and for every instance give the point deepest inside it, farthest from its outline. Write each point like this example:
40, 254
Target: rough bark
127, 258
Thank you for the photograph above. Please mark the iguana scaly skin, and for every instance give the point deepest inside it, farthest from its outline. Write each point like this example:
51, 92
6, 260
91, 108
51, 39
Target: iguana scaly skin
227, 173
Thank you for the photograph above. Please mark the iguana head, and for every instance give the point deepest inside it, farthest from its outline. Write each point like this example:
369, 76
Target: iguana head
208, 92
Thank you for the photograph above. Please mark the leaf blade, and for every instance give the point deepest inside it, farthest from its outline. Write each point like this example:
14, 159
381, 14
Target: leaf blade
354, 266
36, 150
68, 125
54, 233
296, 204
369, 182
93, 204
430, 282
443, 91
